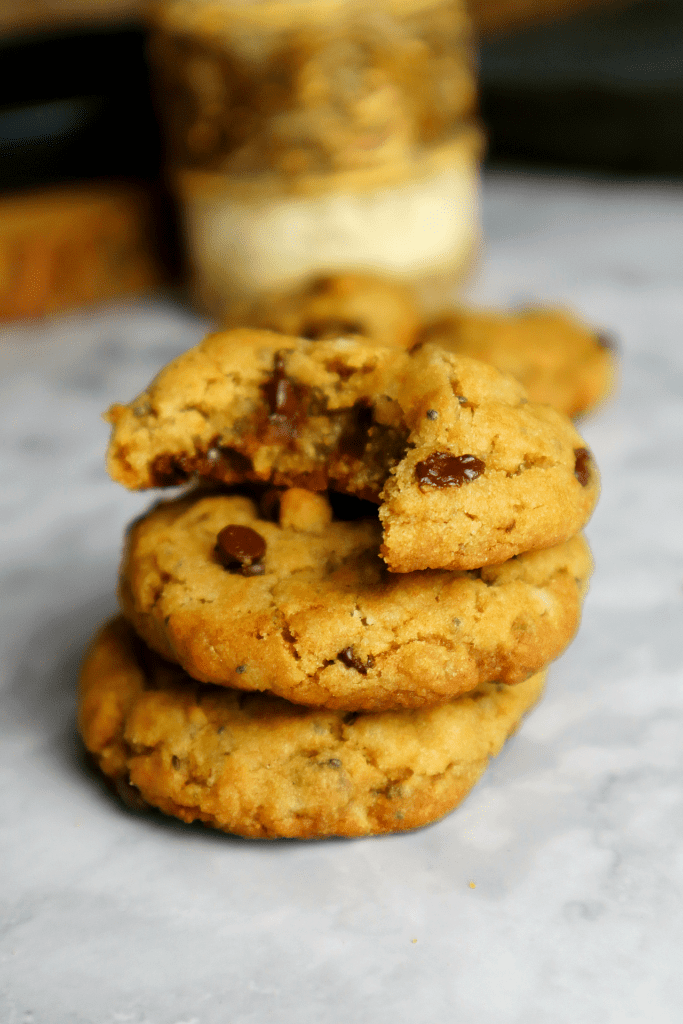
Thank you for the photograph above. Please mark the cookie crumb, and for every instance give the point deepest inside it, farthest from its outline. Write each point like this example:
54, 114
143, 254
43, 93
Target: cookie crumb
472, 885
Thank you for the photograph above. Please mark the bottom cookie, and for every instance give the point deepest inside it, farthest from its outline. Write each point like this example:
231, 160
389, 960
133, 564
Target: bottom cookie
257, 766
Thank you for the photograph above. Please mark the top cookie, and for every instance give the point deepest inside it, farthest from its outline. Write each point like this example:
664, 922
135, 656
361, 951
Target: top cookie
467, 472
558, 359
345, 305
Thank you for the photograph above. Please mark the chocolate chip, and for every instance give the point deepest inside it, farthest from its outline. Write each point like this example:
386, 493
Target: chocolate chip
241, 669
280, 391
461, 399
175, 761
329, 327
130, 794
355, 437
349, 658
607, 341
269, 504
334, 762
241, 549
582, 466
441, 469
432, 414
320, 286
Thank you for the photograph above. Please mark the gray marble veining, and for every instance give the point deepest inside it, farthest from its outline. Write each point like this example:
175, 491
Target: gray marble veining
573, 840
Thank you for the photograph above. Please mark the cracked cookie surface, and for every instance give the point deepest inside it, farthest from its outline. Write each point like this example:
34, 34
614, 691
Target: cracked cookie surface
367, 420
320, 621
257, 766
558, 359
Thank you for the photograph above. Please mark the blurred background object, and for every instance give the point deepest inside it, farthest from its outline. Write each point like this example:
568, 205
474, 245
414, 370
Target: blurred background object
492, 17
82, 217
322, 135
47, 15
319, 137
62, 247
602, 91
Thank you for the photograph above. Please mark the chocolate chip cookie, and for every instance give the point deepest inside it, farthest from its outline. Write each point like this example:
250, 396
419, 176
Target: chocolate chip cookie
255, 765
558, 359
343, 306
305, 608
466, 471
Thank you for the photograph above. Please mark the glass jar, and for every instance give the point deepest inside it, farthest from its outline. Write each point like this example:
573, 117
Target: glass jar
319, 137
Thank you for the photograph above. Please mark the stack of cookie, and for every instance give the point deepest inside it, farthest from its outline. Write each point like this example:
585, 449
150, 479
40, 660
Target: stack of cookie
340, 622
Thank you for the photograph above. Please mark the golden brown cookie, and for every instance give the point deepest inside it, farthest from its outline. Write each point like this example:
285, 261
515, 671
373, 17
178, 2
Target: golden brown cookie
260, 767
65, 246
466, 471
306, 608
557, 358
342, 306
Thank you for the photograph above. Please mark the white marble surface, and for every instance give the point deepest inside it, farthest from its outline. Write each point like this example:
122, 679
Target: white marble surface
574, 837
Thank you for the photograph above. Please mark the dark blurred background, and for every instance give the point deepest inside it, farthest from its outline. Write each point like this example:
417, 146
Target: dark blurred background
576, 83
587, 85
600, 90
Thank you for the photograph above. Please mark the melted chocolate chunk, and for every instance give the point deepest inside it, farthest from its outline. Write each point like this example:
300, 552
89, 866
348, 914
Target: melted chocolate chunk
280, 392
432, 414
217, 462
582, 466
441, 469
349, 658
287, 404
355, 437
269, 504
241, 549
330, 327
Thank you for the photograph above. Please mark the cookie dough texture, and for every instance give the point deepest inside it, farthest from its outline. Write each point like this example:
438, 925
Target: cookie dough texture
252, 405
260, 767
327, 624
558, 359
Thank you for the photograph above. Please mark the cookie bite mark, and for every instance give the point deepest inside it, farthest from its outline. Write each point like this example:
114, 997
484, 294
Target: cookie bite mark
241, 549
442, 469
342, 415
